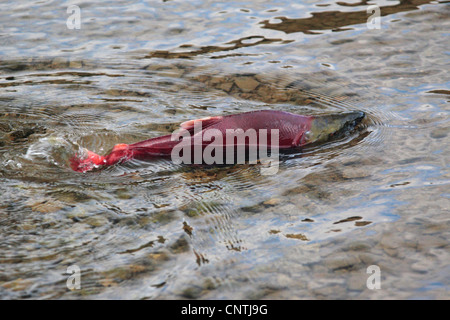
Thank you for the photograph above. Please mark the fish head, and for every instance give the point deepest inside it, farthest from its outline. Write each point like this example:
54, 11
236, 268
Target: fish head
331, 127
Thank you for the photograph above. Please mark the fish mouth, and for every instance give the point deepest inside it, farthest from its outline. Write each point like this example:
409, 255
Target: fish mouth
352, 121
334, 126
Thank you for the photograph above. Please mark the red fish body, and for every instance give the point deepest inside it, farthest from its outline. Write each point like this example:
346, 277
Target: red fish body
291, 129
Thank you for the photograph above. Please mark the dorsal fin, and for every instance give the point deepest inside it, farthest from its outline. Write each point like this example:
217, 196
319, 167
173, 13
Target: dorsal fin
206, 122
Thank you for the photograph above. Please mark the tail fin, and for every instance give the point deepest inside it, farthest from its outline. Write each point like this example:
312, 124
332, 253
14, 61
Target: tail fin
86, 164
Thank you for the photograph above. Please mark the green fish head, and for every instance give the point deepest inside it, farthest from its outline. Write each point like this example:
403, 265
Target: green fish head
334, 126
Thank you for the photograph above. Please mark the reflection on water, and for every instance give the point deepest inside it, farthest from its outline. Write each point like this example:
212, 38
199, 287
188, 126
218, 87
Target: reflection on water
340, 20
149, 230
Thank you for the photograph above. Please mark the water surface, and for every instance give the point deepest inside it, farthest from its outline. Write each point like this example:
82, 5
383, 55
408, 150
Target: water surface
156, 230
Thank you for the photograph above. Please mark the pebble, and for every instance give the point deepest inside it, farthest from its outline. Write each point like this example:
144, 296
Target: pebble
179, 246
96, 221
47, 206
272, 202
172, 72
390, 241
359, 246
28, 226
439, 133
77, 212
125, 272
75, 64
422, 266
123, 194
280, 97
17, 284
355, 173
328, 291
159, 256
369, 258
283, 280
342, 261
357, 281
193, 292
60, 62
107, 282
226, 86
246, 84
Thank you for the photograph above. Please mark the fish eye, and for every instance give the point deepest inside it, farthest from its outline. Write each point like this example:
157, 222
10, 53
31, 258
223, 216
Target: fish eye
307, 136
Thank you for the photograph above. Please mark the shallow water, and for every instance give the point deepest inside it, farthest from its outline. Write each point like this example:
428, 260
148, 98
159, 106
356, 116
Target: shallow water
156, 230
